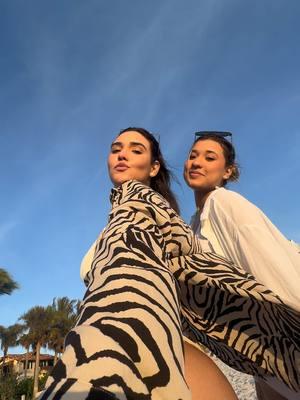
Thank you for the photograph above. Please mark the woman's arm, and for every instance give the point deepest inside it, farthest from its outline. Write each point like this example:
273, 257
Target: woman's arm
128, 338
237, 318
271, 259
247, 237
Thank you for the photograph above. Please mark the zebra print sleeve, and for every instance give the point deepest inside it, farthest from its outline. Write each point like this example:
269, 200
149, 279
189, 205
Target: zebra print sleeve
127, 342
238, 319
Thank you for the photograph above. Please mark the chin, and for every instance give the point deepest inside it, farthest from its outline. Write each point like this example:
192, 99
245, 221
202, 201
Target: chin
192, 184
119, 181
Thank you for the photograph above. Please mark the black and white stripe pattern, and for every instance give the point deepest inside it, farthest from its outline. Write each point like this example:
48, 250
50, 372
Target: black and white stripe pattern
147, 275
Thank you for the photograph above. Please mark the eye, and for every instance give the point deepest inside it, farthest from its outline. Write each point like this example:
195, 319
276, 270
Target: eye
210, 158
137, 151
114, 150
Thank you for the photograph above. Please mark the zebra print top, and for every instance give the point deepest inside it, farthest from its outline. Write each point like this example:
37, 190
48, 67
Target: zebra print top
148, 284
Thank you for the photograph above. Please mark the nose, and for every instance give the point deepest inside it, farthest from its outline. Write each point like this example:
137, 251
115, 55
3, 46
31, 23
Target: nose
123, 154
196, 162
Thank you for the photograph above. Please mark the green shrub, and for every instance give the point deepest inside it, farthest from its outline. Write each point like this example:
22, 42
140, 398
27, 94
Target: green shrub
24, 386
8, 384
12, 388
42, 382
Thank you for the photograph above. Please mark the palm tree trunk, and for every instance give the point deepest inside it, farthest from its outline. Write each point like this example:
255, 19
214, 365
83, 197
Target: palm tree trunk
36, 370
5, 350
55, 358
26, 362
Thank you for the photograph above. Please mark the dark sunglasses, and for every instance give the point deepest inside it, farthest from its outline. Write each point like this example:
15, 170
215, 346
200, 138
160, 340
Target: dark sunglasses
222, 134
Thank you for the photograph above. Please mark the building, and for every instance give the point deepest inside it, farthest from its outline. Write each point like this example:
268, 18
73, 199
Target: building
17, 363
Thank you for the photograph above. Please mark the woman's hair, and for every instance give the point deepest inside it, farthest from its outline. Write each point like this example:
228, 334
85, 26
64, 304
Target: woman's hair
161, 183
228, 151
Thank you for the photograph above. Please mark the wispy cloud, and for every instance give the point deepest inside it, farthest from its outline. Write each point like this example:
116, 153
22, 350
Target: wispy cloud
73, 76
6, 228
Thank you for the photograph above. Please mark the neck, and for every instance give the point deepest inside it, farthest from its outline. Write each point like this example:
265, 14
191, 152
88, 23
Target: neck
200, 199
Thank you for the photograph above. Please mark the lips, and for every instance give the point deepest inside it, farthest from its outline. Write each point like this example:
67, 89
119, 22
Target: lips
121, 167
195, 174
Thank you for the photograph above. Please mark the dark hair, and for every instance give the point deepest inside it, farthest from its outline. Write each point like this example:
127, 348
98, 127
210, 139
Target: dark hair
161, 183
229, 154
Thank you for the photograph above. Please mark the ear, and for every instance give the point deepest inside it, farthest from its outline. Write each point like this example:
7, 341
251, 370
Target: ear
155, 167
228, 172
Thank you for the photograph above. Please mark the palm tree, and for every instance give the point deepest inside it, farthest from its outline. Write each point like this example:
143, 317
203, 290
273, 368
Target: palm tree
38, 321
7, 284
64, 317
25, 341
9, 338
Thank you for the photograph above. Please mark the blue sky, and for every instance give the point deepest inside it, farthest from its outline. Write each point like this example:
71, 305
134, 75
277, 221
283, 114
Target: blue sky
73, 73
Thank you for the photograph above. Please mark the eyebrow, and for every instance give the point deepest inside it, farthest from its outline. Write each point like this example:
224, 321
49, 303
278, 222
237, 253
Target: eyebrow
206, 151
131, 144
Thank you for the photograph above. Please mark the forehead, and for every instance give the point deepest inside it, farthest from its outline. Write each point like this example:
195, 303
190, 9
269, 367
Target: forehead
208, 145
132, 136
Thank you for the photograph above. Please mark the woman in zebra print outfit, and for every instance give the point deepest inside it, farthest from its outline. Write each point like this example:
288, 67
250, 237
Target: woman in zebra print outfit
148, 273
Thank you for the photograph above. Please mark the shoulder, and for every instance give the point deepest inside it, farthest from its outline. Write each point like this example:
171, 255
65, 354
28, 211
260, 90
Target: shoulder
136, 191
135, 199
136, 196
229, 197
232, 205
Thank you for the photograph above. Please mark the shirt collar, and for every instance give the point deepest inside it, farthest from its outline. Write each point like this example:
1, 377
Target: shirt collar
118, 194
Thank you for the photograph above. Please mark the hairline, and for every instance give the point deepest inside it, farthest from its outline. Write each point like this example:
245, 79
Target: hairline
131, 144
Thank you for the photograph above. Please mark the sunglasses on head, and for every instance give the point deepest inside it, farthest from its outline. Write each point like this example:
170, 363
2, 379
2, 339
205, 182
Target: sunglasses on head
222, 134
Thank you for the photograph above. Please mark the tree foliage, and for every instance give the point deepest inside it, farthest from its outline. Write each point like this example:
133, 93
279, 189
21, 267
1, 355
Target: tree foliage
48, 326
7, 284
41, 327
8, 384
38, 322
64, 317
9, 336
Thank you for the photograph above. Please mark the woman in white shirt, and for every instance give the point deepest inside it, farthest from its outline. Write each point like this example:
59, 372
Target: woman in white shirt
231, 226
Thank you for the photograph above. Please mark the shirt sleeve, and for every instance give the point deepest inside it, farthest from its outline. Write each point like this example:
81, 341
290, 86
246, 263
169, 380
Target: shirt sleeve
237, 318
86, 262
128, 337
249, 238
269, 262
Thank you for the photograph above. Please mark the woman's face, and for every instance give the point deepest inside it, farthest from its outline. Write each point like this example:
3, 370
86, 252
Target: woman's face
130, 158
205, 167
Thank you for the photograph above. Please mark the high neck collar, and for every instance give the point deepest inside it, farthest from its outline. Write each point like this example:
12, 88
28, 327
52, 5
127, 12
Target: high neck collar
118, 194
